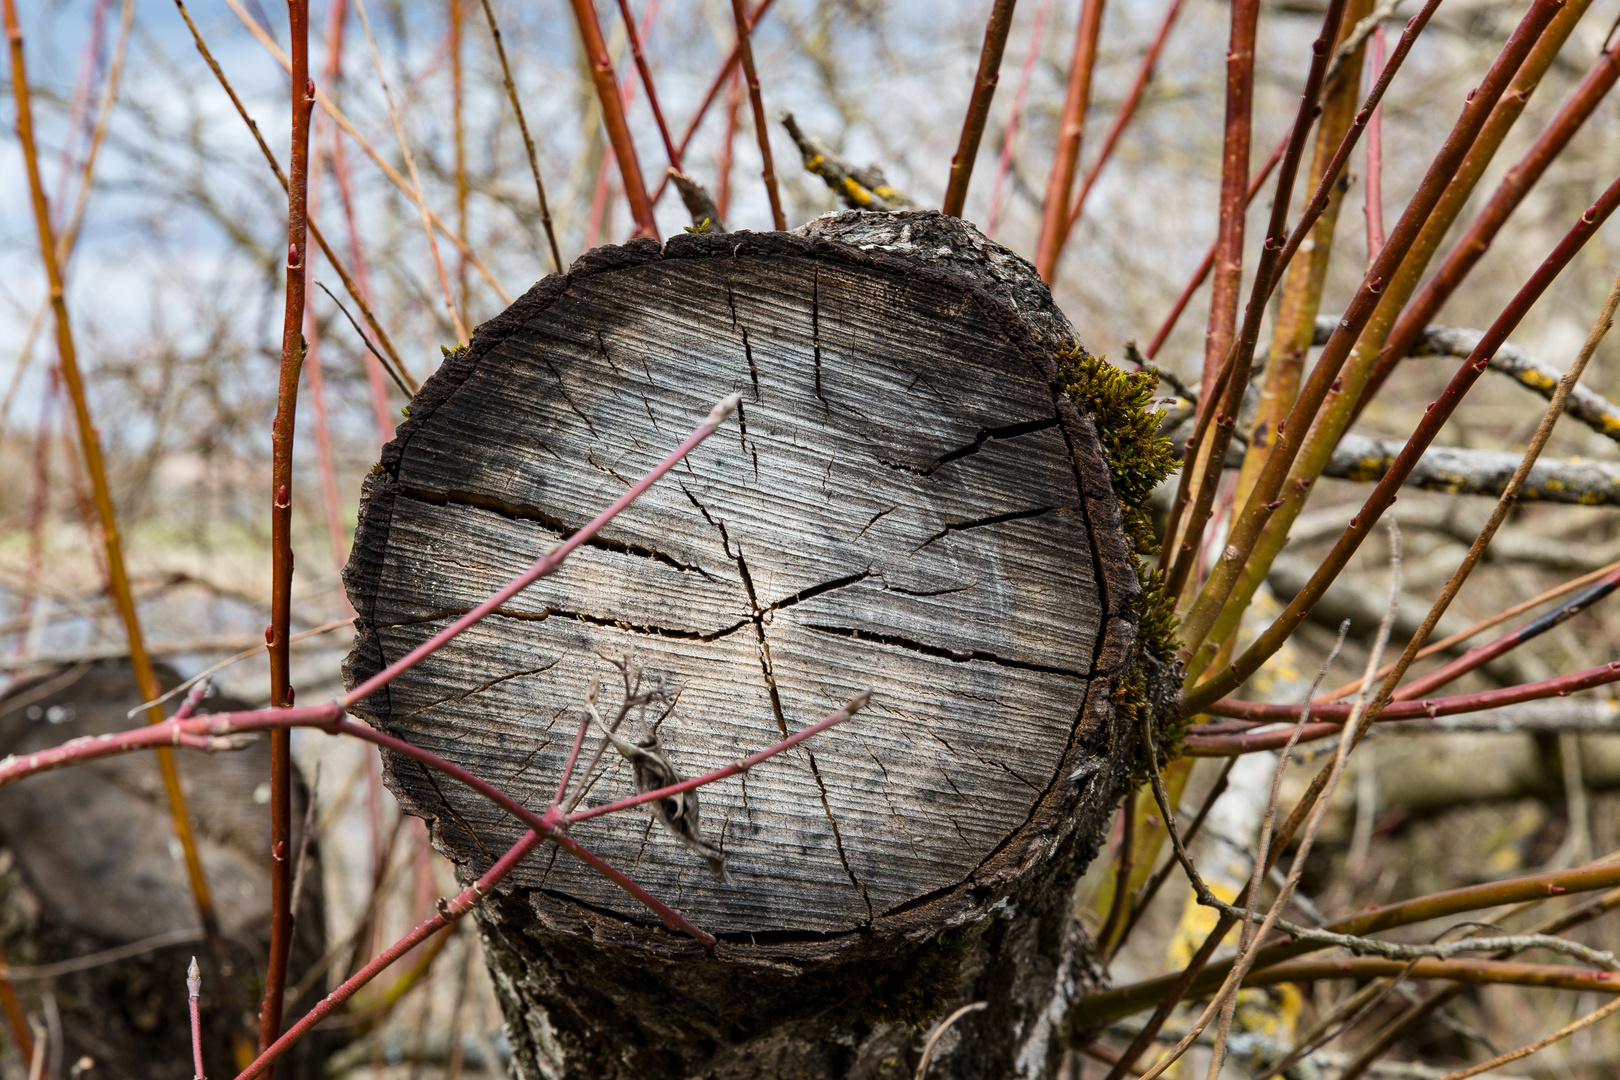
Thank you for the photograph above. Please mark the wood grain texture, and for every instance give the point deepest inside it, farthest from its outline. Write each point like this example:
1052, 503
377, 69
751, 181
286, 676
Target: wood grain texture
897, 509
904, 502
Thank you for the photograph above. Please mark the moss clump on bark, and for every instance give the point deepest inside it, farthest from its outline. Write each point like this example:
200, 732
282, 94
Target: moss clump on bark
1139, 459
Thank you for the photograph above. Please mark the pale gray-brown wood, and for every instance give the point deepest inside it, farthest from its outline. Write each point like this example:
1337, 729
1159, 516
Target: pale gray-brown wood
904, 503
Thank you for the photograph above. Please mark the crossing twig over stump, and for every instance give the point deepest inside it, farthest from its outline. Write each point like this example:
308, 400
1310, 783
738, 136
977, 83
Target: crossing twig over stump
910, 502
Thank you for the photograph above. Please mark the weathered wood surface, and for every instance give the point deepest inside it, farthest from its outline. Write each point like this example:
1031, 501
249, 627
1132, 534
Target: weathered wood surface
904, 503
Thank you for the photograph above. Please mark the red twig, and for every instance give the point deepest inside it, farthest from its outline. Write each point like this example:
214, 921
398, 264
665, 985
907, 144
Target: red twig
1071, 130
722, 197
1483, 654
546, 563
670, 149
1375, 151
450, 911
1228, 271
376, 379
223, 731
1560, 686
1434, 417
281, 485
601, 198
1476, 239
727, 67
613, 118
194, 1003
1127, 110
1204, 267
984, 91
1291, 433
1224, 406
762, 133
1010, 134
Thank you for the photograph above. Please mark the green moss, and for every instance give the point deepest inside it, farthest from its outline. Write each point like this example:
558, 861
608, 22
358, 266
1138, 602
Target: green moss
1139, 459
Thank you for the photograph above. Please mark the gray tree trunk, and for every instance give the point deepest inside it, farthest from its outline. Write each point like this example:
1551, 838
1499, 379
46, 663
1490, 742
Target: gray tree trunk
906, 503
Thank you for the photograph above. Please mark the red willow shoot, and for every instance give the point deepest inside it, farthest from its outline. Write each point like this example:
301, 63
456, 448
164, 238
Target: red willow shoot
1383, 496
1228, 270
645, 72
1127, 111
984, 91
281, 554
727, 68
1223, 406
1476, 238
1313, 211
613, 118
1291, 435
762, 131
1071, 130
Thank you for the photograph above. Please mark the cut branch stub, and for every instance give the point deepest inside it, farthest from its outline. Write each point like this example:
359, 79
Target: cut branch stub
905, 503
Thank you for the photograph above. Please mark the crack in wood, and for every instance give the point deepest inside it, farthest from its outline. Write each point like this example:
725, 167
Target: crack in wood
548, 612
985, 522
815, 333
562, 388
873, 520
813, 591
520, 512
948, 654
985, 435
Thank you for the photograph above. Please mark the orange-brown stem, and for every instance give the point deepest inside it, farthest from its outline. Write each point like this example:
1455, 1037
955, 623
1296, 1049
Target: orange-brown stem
984, 91
1071, 131
101, 492
281, 554
613, 118
745, 52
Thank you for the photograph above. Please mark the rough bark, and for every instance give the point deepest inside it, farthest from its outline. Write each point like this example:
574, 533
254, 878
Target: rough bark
89, 864
908, 503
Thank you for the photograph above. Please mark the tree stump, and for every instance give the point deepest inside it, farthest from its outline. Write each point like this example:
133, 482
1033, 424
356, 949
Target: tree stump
906, 502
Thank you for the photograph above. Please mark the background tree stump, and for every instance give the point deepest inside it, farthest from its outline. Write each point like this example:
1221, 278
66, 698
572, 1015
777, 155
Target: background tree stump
96, 912
906, 502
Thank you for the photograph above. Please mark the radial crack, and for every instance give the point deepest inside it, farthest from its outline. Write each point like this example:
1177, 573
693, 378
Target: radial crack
815, 332
819, 590
980, 523
985, 435
815, 773
521, 512
955, 656
548, 612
